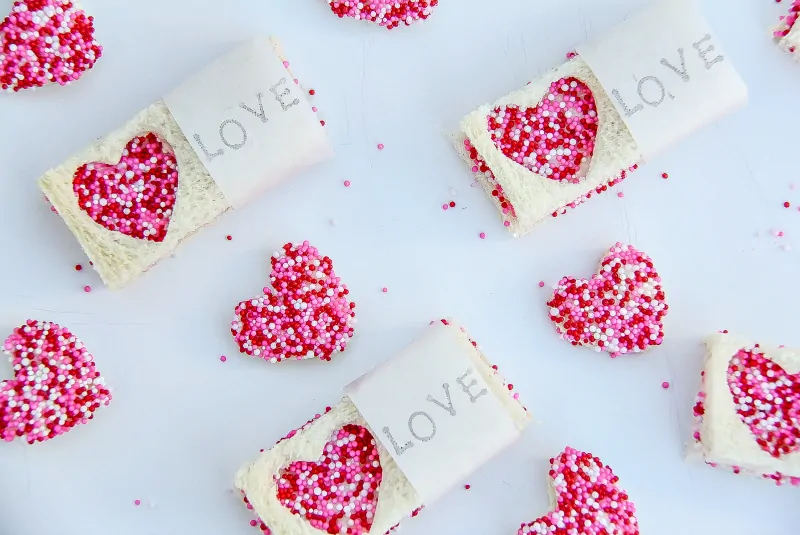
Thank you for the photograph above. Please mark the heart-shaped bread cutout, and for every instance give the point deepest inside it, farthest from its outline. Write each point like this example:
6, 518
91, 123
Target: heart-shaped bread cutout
339, 493
45, 41
588, 500
619, 310
767, 400
387, 13
136, 196
555, 139
306, 314
55, 387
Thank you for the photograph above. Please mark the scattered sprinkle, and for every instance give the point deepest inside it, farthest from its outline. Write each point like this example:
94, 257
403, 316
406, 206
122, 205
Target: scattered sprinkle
223, 358
384, 289
452, 204
286, 64
229, 237
322, 123
78, 267
664, 176
482, 235
620, 194
312, 92
381, 146
467, 487
347, 183
506, 223
787, 204
665, 385
541, 284
87, 289
314, 109
445, 207
137, 503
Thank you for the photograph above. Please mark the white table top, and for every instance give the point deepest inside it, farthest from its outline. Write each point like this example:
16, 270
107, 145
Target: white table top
182, 422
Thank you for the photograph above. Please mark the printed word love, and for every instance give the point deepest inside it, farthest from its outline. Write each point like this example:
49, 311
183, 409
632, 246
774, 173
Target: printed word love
651, 89
233, 134
422, 425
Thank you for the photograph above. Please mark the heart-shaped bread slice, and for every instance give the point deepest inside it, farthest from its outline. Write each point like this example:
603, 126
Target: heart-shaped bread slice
55, 386
44, 42
306, 314
588, 500
619, 310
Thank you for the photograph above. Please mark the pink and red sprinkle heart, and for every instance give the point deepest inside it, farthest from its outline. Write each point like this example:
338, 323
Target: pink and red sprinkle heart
619, 310
305, 314
387, 13
135, 197
43, 42
55, 386
589, 500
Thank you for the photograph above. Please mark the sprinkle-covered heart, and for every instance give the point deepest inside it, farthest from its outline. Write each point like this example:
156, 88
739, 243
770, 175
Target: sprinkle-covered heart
555, 139
767, 400
387, 13
589, 500
55, 385
45, 41
136, 196
339, 493
619, 310
305, 314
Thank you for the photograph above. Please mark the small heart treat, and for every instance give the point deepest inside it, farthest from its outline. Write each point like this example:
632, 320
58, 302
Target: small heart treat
787, 33
619, 310
386, 13
44, 42
338, 474
747, 415
587, 500
55, 386
305, 314
223, 137
583, 127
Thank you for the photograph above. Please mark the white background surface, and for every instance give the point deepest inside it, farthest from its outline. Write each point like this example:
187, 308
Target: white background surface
182, 422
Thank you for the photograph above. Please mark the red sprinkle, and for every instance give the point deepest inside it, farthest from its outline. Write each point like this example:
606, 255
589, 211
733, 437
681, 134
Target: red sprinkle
312, 92
229, 237
78, 267
322, 123
787, 204
664, 175
467, 487
452, 204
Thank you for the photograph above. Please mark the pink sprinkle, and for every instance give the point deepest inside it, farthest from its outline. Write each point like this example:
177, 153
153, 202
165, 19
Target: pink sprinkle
445, 207
665, 385
380, 146
137, 503
507, 223
620, 194
87, 289
541, 284
223, 358
253, 523
286, 64
314, 109
384, 289
482, 235
474, 168
347, 183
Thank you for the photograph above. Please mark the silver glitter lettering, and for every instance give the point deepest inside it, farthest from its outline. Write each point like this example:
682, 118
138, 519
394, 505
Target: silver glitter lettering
653, 103
261, 114
703, 53
682, 72
466, 387
209, 155
411, 426
285, 92
235, 146
399, 450
449, 407
628, 111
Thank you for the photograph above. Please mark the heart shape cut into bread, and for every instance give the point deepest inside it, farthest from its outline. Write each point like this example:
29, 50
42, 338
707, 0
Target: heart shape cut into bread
387, 13
136, 196
339, 493
45, 41
588, 500
767, 400
619, 310
554, 139
306, 314
55, 386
